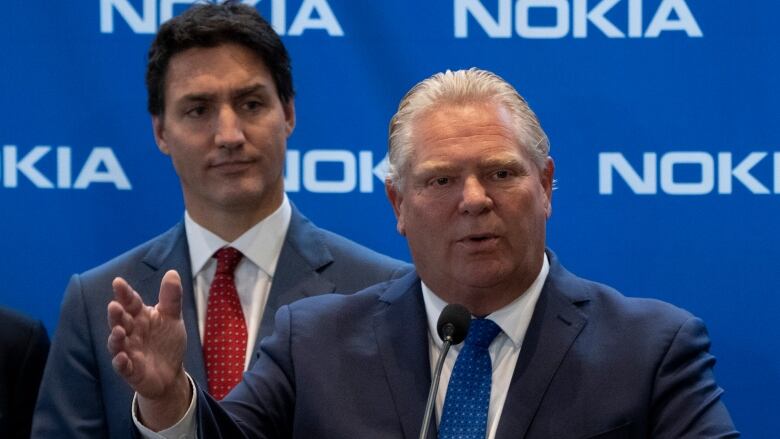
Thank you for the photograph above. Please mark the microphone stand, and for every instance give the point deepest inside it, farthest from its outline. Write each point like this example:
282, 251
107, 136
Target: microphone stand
434, 387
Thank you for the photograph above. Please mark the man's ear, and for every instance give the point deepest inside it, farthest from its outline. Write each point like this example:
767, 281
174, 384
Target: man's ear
548, 183
289, 115
159, 134
396, 200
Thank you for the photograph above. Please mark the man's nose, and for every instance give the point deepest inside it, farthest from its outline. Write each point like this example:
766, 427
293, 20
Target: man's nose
475, 198
229, 132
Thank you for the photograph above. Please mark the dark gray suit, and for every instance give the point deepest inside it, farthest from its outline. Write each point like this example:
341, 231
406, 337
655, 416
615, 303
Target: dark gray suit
594, 364
81, 395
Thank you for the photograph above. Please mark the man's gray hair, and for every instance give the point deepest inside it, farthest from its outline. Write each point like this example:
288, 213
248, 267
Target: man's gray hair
461, 87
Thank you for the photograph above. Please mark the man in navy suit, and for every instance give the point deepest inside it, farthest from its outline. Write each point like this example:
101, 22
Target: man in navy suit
23, 348
221, 99
471, 183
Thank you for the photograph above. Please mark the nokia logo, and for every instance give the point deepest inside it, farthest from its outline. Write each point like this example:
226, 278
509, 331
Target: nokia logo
688, 173
333, 171
573, 17
310, 15
318, 170
101, 166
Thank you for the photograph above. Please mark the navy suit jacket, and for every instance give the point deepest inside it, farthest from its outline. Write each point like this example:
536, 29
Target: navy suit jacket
23, 348
594, 364
81, 396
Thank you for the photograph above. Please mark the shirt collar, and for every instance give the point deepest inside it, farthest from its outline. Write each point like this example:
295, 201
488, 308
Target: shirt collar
513, 319
261, 244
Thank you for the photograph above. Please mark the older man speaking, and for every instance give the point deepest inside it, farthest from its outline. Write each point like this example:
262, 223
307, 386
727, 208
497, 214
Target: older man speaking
548, 354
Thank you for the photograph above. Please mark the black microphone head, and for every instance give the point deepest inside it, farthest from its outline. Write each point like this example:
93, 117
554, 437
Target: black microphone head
454, 323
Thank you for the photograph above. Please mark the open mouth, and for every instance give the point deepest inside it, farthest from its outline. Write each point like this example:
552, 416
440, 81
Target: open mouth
477, 239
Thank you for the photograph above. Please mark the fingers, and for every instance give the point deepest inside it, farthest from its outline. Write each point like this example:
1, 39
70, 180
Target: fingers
126, 296
117, 341
118, 317
170, 295
122, 365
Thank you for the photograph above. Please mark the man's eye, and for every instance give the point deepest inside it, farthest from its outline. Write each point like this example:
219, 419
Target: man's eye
502, 174
196, 111
440, 181
253, 105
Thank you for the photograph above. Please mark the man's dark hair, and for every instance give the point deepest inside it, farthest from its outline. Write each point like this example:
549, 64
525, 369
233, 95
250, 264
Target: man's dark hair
209, 25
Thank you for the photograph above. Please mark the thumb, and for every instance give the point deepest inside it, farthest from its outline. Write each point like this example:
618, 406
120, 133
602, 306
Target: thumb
170, 300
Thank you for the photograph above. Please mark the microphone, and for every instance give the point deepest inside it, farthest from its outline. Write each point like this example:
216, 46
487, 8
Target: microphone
453, 325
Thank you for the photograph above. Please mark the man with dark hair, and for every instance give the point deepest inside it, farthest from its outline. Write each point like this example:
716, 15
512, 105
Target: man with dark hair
23, 348
548, 355
222, 105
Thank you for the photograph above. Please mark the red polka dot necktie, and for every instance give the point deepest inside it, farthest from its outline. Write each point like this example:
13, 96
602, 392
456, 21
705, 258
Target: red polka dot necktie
224, 341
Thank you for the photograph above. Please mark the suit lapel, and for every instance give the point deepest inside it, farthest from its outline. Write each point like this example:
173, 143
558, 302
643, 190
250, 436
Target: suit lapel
555, 325
303, 256
402, 337
171, 252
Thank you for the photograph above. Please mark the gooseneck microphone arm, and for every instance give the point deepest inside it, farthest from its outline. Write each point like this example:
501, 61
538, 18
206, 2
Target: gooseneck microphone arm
453, 325
434, 388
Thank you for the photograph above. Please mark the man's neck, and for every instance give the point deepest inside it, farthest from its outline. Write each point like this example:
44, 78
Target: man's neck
229, 224
483, 300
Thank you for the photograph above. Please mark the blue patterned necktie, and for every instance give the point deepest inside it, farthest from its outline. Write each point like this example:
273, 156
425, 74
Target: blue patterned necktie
468, 394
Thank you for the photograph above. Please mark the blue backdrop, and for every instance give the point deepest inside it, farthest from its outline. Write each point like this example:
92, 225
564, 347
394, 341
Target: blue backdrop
662, 114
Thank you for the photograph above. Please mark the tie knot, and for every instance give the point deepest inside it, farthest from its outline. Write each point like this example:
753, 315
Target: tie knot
482, 332
227, 260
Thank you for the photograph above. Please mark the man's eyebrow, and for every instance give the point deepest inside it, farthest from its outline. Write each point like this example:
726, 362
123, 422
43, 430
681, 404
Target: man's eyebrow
248, 90
508, 162
235, 94
196, 97
435, 166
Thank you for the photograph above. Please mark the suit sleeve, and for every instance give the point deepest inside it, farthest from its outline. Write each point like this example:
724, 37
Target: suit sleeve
262, 405
686, 400
70, 400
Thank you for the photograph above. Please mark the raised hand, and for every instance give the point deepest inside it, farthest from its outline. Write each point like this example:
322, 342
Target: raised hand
148, 344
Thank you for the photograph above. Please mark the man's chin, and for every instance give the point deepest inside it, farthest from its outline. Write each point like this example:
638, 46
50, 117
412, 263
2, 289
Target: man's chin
237, 199
483, 276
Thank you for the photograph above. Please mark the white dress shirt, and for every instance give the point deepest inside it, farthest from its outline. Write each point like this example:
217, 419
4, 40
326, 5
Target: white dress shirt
260, 245
513, 319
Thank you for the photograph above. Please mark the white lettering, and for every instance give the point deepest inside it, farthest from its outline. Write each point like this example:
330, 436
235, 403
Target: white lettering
671, 15
635, 18
279, 16
366, 160
777, 172
524, 28
63, 167
498, 28
305, 19
99, 158
25, 166
595, 16
91, 172
702, 159
726, 173
313, 184
292, 171
358, 171
661, 20
616, 161
741, 172
312, 14
140, 24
